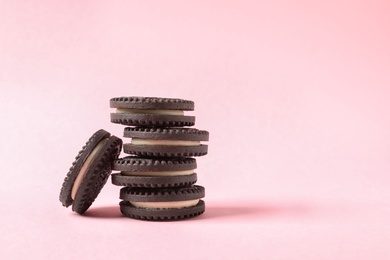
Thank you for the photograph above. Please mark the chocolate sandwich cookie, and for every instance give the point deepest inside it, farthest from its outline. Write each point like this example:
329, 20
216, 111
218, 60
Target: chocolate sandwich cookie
162, 204
165, 142
154, 173
151, 111
90, 171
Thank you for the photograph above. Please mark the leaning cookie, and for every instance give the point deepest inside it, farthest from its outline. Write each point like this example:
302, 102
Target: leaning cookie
151, 111
165, 142
154, 173
162, 204
90, 171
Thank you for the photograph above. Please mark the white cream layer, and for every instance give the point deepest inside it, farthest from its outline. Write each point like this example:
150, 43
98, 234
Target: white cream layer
85, 167
150, 111
162, 173
166, 204
139, 141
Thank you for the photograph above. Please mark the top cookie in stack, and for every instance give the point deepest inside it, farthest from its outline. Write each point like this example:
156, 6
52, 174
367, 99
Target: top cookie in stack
152, 111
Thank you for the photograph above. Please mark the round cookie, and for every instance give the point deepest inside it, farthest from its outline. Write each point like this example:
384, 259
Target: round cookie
162, 204
154, 173
165, 142
152, 111
90, 171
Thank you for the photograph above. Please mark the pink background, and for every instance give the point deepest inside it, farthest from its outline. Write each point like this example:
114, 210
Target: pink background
295, 95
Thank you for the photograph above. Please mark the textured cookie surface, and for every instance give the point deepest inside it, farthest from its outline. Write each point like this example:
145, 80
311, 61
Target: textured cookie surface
165, 151
153, 181
136, 164
152, 120
185, 134
162, 195
151, 103
130, 211
96, 174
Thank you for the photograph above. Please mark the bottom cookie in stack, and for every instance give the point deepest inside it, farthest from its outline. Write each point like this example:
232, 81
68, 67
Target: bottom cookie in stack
162, 204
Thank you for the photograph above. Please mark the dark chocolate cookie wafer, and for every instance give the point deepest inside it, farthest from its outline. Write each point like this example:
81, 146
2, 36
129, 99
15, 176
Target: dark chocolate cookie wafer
152, 111
162, 204
165, 142
90, 171
154, 173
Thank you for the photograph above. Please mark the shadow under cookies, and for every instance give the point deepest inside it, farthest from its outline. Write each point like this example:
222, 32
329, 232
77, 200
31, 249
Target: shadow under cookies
103, 212
253, 211
248, 211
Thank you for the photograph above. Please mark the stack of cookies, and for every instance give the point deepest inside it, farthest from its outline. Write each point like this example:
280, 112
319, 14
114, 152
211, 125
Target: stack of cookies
158, 175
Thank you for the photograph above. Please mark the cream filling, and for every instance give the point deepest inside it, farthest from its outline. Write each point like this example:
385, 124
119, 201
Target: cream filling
162, 173
85, 167
166, 204
150, 111
139, 141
